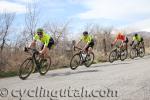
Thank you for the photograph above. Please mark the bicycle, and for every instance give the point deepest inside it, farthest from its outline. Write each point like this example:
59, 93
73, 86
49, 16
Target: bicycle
81, 58
120, 52
35, 61
137, 51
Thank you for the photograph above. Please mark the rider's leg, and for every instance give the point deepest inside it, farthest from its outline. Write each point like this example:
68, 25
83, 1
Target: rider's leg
50, 45
46, 53
90, 50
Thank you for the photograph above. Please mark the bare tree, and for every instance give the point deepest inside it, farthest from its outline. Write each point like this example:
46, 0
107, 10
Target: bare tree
31, 19
57, 30
6, 22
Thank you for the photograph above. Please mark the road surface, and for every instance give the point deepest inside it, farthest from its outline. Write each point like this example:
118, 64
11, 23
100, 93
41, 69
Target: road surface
127, 80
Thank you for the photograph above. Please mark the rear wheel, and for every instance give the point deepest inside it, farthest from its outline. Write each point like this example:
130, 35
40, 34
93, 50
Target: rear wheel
75, 61
89, 59
26, 68
112, 56
45, 65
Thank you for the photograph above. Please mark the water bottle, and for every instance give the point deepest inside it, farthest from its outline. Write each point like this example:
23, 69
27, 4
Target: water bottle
83, 56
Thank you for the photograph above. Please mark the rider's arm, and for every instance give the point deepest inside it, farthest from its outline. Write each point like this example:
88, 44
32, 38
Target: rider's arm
114, 41
33, 44
78, 42
85, 46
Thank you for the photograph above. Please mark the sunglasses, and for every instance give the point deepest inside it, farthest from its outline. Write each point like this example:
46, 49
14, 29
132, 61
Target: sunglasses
85, 34
39, 33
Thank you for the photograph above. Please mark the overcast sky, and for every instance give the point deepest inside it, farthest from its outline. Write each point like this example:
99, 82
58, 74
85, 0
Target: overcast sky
118, 13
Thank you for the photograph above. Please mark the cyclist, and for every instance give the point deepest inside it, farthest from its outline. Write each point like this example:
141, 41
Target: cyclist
120, 36
137, 39
88, 39
46, 40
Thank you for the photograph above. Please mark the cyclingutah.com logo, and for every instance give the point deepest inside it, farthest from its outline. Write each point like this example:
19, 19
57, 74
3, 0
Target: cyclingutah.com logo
56, 94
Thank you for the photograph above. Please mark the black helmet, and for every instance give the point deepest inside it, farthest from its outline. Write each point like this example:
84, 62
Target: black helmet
85, 32
135, 34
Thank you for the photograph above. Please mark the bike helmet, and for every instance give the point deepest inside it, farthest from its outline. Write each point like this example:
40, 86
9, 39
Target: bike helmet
85, 33
135, 34
40, 30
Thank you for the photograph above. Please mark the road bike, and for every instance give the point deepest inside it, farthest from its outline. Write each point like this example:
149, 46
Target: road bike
34, 61
118, 53
81, 58
137, 51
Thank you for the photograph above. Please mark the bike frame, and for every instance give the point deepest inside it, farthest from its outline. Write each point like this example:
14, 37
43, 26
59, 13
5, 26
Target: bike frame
80, 53
34, 52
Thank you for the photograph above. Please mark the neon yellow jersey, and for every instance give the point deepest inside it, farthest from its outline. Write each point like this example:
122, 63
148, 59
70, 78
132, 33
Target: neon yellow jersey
138, 38
87, 39
45, 39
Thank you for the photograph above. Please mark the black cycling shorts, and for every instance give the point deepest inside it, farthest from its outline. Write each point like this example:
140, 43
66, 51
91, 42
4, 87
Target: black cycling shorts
91, 44
50, 44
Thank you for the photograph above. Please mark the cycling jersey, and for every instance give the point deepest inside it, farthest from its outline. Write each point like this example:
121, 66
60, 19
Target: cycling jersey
45, 39
121, 37
87, 39
138, 38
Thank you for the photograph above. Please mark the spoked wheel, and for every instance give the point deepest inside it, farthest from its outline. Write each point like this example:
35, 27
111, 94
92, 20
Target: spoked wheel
26, 68
89, 59
45, 65
75, 61
112, 56
133, 53
141, 52
124, 55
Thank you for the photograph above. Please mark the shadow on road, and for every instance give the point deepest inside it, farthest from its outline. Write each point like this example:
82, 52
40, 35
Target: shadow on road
111, 64
69, 73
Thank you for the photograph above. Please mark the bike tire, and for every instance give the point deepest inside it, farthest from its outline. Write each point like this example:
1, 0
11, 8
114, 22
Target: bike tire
93, 56
141, 52
133, 53
47, 65
112, 54
123, 57
22, 69
77, 63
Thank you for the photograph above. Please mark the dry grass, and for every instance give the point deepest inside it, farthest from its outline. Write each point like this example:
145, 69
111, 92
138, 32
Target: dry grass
147, 50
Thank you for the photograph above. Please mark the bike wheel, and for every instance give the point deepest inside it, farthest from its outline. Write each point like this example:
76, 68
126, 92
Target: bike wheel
123, 55
141, 52
112, 56
26, 68
44, 65
75, 61
133, 53
89, 59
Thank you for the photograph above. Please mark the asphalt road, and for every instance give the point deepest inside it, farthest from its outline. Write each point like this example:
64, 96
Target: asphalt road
127, 80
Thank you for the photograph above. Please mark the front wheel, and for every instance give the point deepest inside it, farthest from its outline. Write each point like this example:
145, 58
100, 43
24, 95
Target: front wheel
133, 53
26, 68
45, 65
141, 52
123, 55
75, 61
112, 56
89, 59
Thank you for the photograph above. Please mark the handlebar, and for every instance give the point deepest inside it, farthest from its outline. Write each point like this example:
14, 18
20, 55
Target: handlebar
35, 51
75, 47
